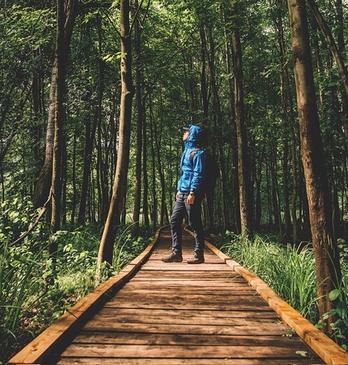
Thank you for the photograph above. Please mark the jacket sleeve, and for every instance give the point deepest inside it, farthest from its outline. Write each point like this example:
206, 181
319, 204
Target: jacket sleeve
199, 166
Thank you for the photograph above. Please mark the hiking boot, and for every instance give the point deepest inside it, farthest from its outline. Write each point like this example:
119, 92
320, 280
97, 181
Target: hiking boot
173, 257
198, 258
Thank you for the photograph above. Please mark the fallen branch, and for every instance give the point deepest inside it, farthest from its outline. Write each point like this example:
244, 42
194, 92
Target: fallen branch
41, 213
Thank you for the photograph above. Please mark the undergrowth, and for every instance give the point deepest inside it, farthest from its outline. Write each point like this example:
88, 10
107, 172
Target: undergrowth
290, 272
28, 304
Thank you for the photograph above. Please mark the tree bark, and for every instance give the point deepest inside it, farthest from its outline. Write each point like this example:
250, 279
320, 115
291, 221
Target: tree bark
325, 248
140, 114
154, 214
107, 240
145, 179
218, 125
58, 75
242, 143
91, 128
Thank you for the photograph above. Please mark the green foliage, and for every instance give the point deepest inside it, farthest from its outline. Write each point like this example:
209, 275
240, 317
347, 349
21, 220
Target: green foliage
290, 271
340, 297
28, 303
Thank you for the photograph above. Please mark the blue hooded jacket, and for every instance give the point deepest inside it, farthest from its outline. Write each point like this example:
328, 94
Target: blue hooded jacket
192, 167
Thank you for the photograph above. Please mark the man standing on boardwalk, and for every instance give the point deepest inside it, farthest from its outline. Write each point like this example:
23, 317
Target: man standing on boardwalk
190, 192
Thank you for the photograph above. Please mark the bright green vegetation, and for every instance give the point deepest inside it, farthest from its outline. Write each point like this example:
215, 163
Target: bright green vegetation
290, 271
28, 302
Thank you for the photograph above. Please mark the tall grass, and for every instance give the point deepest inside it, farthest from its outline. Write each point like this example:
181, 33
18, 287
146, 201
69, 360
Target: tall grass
290, 271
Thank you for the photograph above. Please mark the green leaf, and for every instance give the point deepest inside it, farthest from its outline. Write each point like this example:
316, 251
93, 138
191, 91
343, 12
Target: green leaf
334, 294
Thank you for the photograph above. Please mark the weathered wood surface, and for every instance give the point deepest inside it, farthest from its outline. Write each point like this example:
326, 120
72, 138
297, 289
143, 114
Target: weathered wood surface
176, 314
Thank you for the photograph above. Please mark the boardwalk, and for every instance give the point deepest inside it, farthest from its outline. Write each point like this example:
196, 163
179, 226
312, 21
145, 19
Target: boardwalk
171, 314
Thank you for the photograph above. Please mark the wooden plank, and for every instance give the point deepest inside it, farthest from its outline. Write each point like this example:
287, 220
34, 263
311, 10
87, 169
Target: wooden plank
185, 305
193, 290
183, 266
326, 348
57, 333
154, 361
255, 328
181, 351
177, 339
172, 285
189, 298
188, 284
173, 313
189, 275
116, 318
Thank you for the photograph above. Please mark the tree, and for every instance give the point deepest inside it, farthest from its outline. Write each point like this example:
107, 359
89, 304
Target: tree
66, 17
313, 160
242, 143
106, 243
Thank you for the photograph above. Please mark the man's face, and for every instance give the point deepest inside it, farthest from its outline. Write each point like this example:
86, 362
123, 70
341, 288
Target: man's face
185, 135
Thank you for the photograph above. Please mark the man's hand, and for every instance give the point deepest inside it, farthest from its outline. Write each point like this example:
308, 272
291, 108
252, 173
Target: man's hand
177, 195
191, 199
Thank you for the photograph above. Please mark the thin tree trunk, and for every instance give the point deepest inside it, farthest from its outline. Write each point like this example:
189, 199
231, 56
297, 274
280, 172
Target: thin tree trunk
145, 179
242, 143
140, 114
112, 221
73, 208
164, 212
154, 214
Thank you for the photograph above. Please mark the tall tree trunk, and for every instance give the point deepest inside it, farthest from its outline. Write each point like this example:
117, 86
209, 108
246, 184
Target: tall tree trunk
242, 143
313, 160
140, 114
37, 111
286, 116
275, 190
295, 189
154, 214
234, 165
69, 11
87, 160
205, 106
218, 126
74, 196
58, 125
91, 128
164, 211
145, 179
107, 240
204, 92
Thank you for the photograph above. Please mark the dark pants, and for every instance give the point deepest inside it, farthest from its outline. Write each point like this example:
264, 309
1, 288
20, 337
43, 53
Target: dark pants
194, 217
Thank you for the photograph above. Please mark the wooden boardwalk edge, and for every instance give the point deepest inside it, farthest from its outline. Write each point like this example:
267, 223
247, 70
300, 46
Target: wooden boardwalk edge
320, 343
55, 335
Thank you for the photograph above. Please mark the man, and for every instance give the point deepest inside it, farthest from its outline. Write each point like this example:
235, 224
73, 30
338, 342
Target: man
189, 196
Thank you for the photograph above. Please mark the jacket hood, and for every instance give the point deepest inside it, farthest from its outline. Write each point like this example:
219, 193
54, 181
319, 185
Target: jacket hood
195, 133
